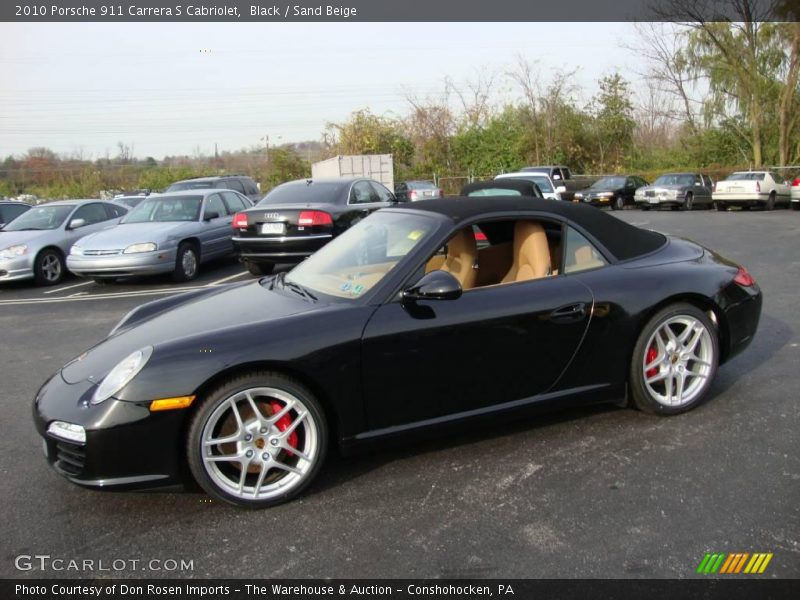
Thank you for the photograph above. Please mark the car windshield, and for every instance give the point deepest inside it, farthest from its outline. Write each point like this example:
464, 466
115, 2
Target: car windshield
746, 177
542, 182
178, 208
675, 179
182, 186
41, 217
130, 201
290, 193
609, 183
498, 191
360, 258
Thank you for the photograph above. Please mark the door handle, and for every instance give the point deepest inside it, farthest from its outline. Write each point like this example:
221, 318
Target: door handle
570, 312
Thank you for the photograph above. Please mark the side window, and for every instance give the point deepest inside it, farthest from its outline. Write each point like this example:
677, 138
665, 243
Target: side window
629, 182
91, 213
383, 194
234, 202
233, 184
250, 188
114, 212
9, 212
580, 254
400, 188
557, 175
566, 174
362, 193
215, 204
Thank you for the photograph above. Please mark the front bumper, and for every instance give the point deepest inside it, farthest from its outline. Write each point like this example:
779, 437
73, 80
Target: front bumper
127, 446
279, 249
123, 265
658, 201
14, 269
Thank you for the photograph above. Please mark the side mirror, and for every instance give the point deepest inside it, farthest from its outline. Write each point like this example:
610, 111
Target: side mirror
561, 189
76, 223
210, 214
436, 285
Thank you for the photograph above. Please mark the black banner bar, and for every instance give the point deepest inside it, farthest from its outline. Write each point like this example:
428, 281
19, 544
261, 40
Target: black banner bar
734, 588
386, 10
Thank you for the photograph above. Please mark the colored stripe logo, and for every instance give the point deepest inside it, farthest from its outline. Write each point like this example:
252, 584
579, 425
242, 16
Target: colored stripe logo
734, 563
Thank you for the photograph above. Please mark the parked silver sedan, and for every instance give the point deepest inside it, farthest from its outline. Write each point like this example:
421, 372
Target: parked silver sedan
34, 245
170, 233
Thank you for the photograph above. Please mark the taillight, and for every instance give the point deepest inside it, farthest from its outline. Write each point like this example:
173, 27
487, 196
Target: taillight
743, 278
412, 195
314, 217
796, 182
240, 221
480, 236
758, 186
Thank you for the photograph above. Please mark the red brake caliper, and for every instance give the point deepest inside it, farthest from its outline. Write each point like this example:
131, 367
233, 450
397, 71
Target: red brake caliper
652, 355
283, 424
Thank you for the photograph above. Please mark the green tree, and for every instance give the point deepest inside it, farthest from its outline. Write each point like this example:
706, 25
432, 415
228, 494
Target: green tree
613, 122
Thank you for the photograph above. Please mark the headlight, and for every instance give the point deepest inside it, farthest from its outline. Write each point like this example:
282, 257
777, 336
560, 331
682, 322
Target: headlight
121, 375
14, 251
605, 194
578, 195
76, 250
136, 248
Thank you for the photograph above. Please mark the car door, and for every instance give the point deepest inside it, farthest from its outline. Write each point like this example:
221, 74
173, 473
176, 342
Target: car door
94, 217
215, 233
493, 345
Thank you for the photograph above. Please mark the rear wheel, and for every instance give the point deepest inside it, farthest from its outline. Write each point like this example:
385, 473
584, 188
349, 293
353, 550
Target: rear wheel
619, 203
770, 205
674, 360
795, 205
257, 440
720, 206
48, 269
186, 262
259, 269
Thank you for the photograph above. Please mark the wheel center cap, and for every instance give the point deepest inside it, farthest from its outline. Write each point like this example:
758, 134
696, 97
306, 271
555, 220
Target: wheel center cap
260, 443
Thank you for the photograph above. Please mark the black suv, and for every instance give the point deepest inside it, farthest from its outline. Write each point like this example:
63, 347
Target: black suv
238, 183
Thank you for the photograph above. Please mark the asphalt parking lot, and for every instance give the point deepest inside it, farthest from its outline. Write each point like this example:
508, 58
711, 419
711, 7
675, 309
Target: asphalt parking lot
602, 493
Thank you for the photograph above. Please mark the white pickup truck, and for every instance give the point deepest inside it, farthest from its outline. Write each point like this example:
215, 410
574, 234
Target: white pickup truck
746, 189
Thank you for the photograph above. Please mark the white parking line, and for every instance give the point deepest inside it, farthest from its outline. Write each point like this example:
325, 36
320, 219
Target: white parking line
89, 297
224, 279
69, 287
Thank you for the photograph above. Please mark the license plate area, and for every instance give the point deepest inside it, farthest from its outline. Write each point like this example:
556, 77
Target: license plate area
273, 228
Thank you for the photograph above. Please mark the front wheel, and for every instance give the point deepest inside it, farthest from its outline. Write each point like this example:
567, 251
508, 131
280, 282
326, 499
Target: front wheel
674, 360
689, 201
619, 203
48, 269
186, 263
257, 440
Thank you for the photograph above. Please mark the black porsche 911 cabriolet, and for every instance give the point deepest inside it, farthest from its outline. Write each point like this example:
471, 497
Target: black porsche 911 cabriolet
402, 324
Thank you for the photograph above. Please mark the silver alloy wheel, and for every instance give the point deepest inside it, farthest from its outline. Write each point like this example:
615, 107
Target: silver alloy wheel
620, 203
189, 263
678, 361
51, 267
256, 461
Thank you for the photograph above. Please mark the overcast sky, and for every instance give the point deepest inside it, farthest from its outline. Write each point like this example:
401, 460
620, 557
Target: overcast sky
177, 88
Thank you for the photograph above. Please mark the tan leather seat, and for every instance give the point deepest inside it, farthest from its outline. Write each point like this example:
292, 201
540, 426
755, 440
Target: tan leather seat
531, 253
462, 256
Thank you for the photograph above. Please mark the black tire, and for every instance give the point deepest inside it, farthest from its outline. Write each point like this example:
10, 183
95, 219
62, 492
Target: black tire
219, 400
49, 267
187, 262
259, 269
770, 204
644, 396
618, 203
688, 203
795, 205
720, 206
645, 207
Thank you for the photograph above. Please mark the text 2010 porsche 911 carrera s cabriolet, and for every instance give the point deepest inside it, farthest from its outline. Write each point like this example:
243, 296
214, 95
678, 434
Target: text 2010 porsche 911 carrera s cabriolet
423, 315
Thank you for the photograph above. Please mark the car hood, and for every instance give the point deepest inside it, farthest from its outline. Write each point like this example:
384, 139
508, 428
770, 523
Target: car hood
12, 238
126, 234
219, 308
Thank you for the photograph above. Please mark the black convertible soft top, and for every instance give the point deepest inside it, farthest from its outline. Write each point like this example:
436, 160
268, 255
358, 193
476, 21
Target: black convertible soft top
624, 241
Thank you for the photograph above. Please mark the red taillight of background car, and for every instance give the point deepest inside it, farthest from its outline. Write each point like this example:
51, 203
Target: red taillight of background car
240, 221
314, 217
796, 182
743, 278
412, 195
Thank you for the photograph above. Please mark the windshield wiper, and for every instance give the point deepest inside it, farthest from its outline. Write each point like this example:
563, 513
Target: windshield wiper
297, 288
27, 229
